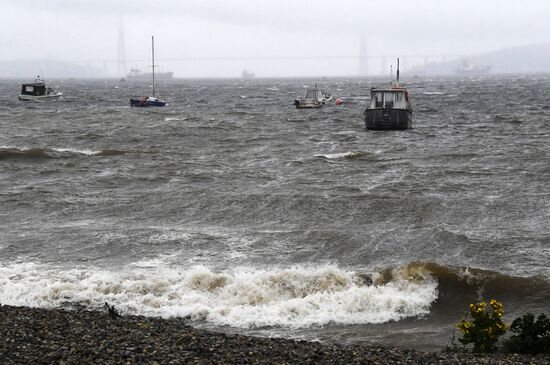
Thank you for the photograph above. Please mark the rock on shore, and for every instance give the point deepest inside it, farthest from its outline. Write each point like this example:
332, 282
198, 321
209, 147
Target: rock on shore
56, 336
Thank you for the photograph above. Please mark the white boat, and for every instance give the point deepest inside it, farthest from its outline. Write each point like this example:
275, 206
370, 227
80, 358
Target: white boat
38, 91
314, 98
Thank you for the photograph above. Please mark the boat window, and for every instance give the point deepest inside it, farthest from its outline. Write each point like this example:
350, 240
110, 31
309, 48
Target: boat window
378, 100
388, 100
398, 96
29, 89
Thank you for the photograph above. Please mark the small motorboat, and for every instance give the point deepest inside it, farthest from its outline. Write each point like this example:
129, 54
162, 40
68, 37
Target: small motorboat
390, 107
146, 101
38, 91
314, 98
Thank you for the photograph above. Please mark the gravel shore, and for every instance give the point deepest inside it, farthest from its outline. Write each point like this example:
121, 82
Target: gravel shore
56, 336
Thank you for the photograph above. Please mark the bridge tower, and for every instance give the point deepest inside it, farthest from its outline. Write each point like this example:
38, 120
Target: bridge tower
363, 62
121, 59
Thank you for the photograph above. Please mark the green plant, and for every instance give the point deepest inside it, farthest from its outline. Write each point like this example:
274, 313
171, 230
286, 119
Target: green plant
531, 336
485, 329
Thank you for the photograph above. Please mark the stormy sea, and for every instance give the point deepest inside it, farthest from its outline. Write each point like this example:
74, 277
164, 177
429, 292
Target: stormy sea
235, 210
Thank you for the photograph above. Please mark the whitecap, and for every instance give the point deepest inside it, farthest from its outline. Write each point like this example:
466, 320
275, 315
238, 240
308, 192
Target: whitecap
295, 297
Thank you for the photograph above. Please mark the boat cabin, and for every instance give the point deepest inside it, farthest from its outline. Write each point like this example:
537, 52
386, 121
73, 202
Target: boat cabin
395, 98
314, 94
37, 88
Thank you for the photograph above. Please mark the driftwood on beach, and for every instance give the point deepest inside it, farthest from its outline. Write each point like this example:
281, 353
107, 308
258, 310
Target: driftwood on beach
56, 336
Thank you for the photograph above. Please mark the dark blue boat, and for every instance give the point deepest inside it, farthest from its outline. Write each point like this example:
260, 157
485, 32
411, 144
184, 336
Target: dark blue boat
147, 101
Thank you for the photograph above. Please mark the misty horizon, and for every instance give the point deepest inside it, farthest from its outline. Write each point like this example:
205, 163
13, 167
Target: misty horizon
218, 39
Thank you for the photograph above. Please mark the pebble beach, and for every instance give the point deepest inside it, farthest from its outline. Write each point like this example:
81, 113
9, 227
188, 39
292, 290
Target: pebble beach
58, 336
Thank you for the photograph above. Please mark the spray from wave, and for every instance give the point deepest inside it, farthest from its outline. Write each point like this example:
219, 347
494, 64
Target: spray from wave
296, 297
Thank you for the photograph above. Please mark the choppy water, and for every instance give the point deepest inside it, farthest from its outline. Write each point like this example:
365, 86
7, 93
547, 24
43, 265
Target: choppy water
232, 207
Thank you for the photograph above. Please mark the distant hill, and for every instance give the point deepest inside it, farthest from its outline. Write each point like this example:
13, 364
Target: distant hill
524, 59
49, 69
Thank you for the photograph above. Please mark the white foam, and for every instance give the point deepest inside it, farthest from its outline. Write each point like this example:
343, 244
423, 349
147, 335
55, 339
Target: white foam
171, 119
333, 156
81, 152
295, 297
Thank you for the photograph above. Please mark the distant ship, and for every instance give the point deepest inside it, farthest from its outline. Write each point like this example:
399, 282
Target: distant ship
467, 68
248, 75
137, 74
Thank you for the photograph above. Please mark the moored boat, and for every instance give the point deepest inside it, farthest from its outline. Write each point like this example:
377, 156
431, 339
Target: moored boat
314, 98
146, 101
38, 91
390, 108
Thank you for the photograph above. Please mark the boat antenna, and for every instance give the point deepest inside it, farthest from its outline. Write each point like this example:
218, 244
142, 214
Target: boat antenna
397, 71
153, 58
391, 74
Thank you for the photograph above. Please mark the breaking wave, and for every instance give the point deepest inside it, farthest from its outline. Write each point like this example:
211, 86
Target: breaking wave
349, 155
296, 297
33, 153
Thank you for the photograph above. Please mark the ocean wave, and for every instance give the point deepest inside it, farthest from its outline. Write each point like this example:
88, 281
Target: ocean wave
296, 297
44, 153
24, 153
349, 155
171, 119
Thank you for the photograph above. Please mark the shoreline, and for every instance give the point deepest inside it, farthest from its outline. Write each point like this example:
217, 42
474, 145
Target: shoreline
36, 335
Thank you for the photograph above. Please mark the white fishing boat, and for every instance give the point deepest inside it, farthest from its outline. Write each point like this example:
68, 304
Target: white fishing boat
314, 98
38, 91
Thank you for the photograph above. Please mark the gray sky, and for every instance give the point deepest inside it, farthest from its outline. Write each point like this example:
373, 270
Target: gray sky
86, 30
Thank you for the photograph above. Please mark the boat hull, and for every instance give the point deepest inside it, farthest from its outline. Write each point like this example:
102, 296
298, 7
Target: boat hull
50, 97
387, 118
307, 104
138, 102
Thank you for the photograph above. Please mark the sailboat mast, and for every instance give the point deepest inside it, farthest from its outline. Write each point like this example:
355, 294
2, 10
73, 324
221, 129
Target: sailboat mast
397, 72
153, 57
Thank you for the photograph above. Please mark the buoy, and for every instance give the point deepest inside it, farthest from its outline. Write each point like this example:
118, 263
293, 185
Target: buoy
339, 101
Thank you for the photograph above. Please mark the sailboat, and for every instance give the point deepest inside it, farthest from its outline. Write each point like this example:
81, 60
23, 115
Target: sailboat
146, 101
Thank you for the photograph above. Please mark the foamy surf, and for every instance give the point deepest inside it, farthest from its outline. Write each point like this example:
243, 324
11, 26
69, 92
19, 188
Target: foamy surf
296, 297
77, 151
349, 154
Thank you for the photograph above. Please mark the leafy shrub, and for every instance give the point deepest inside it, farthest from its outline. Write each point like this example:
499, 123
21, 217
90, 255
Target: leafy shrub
485, 329
531, 336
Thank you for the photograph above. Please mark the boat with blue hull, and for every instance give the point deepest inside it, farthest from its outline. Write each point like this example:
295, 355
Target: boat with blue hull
147, 101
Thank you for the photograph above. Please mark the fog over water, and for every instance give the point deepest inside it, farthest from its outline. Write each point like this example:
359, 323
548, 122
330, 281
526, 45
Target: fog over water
278, 38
